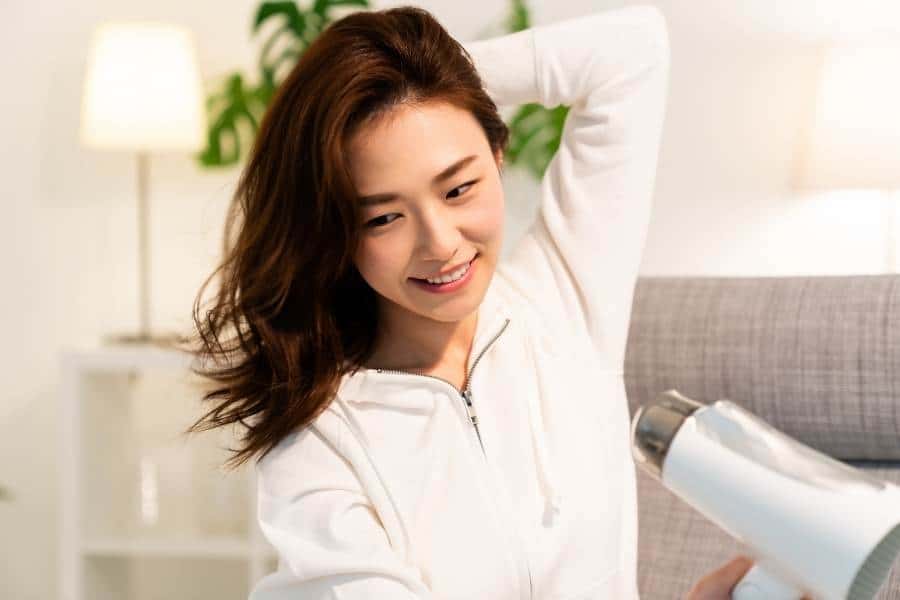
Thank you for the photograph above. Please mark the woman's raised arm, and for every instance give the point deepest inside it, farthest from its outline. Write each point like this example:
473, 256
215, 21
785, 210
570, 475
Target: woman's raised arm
578, 262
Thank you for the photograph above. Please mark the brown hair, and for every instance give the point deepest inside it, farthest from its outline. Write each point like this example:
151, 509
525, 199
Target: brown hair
294, 312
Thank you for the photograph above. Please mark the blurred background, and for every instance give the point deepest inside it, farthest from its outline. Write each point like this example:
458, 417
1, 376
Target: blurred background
767, 167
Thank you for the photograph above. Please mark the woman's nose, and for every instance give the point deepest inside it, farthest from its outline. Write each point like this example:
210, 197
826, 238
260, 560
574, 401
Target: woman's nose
439, 235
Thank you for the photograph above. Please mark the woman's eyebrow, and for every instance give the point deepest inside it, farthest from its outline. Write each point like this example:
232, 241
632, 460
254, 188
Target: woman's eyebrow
440, 177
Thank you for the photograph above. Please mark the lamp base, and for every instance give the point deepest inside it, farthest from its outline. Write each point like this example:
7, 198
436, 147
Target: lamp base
163, 340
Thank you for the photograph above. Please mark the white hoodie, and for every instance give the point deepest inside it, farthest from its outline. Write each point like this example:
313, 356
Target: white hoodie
392, 492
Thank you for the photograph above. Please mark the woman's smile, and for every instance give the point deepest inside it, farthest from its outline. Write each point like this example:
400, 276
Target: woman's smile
452, 286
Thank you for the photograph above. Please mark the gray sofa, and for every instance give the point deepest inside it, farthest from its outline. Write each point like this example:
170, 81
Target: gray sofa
817, 357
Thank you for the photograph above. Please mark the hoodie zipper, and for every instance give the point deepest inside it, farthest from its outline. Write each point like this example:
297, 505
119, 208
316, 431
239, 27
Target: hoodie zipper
466, 392
466, 395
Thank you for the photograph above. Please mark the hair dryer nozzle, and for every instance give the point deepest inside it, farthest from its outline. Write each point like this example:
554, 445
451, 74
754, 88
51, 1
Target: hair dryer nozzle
655, 425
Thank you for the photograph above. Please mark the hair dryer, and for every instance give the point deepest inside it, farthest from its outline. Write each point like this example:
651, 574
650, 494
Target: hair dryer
814, 525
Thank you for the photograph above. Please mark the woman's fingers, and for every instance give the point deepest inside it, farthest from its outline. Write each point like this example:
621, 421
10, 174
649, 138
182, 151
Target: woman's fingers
718, 584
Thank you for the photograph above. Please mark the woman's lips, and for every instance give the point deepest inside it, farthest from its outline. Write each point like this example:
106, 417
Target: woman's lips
448, 287
454, 270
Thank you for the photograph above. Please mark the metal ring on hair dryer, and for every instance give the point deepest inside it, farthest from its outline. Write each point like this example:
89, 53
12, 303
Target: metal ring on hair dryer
758, 485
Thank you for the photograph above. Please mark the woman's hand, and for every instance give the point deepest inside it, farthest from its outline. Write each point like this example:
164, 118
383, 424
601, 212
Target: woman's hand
718, 584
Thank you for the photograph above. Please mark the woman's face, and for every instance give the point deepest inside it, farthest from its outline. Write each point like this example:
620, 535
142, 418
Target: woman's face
425, 224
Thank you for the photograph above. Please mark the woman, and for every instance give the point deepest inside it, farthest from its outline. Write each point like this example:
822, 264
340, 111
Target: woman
465, 437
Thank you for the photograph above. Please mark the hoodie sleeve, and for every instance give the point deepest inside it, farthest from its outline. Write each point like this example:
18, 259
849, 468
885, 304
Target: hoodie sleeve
330, 543
578, 262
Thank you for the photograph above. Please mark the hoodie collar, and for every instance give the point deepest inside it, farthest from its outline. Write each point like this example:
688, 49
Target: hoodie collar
493, 312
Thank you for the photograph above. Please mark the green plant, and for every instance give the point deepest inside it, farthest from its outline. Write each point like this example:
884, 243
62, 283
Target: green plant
240, 103
235, 111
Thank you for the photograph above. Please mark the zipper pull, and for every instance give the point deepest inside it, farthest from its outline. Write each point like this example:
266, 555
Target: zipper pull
470, 408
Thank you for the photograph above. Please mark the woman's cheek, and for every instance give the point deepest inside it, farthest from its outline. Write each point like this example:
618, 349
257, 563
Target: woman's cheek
490, 215
378, 259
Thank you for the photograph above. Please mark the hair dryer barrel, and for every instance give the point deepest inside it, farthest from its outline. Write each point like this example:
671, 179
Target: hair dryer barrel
815, 525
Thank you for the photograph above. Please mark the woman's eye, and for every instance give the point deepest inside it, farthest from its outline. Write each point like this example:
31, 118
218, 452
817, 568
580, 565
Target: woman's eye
380, 221
468, 184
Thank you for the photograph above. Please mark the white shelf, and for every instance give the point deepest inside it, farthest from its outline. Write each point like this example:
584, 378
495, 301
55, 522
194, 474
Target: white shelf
144, 508
123, 358
235, 548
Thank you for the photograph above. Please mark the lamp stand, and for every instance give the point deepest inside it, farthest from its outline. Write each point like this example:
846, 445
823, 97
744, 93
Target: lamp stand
144, 334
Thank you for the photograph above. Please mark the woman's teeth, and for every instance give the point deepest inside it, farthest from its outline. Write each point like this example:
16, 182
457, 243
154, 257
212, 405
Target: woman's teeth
452, 276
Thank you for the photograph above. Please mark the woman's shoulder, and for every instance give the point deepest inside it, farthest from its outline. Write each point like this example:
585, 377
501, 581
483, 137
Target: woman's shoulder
310, 446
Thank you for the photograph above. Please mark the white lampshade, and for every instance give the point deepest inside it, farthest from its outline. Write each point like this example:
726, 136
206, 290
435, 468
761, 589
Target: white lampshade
142, 89
854, 138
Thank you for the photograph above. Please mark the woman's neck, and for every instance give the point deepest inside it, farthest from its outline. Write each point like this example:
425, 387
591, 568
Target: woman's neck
410, 342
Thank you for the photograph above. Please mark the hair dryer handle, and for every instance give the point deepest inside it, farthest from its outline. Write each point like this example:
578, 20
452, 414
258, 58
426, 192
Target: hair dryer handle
759, 584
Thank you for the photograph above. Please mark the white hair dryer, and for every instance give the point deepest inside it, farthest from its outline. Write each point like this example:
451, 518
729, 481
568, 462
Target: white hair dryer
814, 525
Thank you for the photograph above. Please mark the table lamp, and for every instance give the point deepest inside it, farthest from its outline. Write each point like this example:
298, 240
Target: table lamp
854, 138
142, 92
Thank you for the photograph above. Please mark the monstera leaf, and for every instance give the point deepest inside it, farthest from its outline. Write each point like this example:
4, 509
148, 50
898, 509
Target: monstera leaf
234, 112
535, 134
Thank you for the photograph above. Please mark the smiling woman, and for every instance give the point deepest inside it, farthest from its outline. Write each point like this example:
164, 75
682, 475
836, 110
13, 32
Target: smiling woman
431, 225
376, 170
375, 166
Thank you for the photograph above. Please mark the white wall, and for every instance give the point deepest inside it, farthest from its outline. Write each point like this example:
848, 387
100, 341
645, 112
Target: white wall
741, 78
741, 87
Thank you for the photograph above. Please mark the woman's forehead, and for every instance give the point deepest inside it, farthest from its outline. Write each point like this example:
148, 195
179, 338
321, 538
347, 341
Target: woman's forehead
418, 123
413, 144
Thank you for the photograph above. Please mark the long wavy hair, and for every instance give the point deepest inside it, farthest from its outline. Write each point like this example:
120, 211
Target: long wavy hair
291, 314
